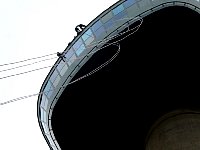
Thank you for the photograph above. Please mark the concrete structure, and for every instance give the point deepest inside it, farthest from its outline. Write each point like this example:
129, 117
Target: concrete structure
178, 130
110, 23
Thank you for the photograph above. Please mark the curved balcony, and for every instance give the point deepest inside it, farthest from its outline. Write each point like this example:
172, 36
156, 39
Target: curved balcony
108, 24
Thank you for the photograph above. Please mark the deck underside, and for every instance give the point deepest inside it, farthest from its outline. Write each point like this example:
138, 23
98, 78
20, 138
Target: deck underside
156, 71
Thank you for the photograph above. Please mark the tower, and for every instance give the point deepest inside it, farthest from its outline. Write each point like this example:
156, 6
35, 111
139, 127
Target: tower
163, 77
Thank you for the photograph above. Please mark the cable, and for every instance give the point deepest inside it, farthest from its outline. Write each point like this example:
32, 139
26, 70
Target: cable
19, 98
100, 41
24, 72
80, 56
28, 64
90, 45
114, 36
99, 67
26, 60
80, 78
4, 77
86, 75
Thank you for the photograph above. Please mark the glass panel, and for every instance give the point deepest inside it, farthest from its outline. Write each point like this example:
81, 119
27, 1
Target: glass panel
109, 24
50, 92
55, 83
118, 9
60, 65
47, 88
107, 17
53, 76
44, 102
80, 50
42, 114
69, 54
99, 32
128, 3
64, 69
87, 34
89, 41
77, 44
71, 60
121, 18
45, 116
96, 26
45, 127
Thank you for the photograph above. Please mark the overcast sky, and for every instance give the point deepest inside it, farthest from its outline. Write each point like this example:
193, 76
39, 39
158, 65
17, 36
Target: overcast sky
32, 28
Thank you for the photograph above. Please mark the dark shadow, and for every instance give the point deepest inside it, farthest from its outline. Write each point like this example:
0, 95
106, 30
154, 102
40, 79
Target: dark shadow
157, 71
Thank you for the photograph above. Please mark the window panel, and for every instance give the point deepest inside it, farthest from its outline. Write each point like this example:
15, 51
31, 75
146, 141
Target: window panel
89, 41
43, 115
99, 32
96, 26
60, 65
64, 69
45, 127
47, 88
80, 50
71, 60
109, 24
44, 102
118, 9
121, 18
128, 3
69, 54
107, 17
50, 92
77, 44
53, 76
55, 83
87, 34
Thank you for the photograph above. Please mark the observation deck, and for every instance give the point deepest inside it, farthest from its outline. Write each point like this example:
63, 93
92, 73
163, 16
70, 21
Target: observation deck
95, 35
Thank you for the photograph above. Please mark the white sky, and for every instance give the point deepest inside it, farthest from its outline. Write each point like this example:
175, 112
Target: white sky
31, 28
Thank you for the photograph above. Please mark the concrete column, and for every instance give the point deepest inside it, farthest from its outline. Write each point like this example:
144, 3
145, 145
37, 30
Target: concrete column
178, 130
